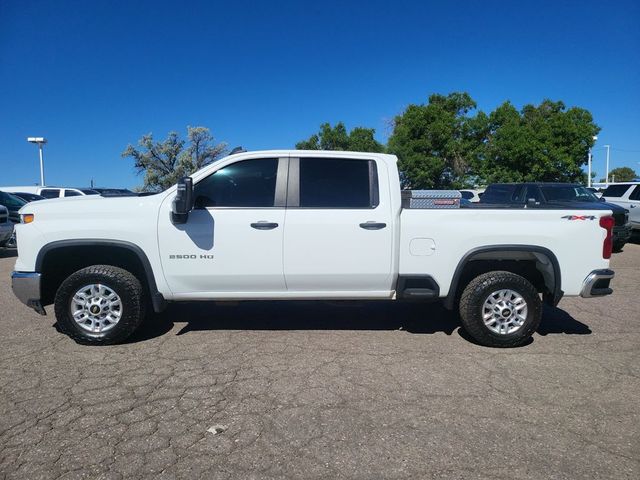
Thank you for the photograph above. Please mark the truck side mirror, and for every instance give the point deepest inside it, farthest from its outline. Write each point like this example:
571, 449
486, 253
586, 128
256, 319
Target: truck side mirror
183, 201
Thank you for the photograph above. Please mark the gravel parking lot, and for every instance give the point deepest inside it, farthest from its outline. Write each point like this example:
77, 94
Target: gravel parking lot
319, 390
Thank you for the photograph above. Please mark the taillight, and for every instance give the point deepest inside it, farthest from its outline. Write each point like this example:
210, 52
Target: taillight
607, 246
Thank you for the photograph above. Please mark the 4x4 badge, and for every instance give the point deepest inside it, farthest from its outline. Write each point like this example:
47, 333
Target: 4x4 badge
579, 217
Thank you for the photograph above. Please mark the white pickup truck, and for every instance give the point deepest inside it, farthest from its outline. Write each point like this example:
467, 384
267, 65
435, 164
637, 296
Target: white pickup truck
303, 225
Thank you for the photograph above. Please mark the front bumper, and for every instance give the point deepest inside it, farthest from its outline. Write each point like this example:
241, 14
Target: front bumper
597, 284
6, 232
26, 286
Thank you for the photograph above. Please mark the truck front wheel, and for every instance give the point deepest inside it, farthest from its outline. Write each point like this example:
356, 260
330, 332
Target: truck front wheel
500, 309
100, 305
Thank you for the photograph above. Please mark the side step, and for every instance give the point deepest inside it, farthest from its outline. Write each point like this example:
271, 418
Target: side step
417, 287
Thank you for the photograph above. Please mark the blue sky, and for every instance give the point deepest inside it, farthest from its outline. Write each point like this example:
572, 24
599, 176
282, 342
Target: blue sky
94, 76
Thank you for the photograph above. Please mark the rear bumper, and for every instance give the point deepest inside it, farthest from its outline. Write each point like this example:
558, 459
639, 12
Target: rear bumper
26, 286
597, 284
622, 233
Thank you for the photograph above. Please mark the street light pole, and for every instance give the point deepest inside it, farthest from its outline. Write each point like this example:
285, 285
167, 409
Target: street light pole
41, 166
589, 162
40, 141
607, 175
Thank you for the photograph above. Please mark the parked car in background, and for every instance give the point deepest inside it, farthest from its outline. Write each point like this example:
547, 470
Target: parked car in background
13, 204
6, 227
626, 195
558, 195
472, 195
52, 192
115, 192
28, 197
595, 191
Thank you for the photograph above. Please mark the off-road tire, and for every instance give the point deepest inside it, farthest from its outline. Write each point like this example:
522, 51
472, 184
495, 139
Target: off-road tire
618, 246
124, 283
477, 292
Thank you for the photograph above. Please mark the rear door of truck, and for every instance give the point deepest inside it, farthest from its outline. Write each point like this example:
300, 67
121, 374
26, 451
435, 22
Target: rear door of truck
339, 227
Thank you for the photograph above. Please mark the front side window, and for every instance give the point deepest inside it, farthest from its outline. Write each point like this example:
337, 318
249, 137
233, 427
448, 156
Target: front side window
338, 183
50, 193
567, 193
249, 183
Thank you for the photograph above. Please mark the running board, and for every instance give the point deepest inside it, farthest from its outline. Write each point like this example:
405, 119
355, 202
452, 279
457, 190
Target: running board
417, 287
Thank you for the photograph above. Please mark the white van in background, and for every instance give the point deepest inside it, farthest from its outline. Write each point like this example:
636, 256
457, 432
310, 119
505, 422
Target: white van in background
51, 192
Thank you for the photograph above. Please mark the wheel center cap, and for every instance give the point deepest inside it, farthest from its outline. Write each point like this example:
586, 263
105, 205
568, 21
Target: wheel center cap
506, 313
95, 309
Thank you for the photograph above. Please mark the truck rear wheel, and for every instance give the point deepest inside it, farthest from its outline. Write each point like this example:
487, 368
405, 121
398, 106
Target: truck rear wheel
500, 309
100, 305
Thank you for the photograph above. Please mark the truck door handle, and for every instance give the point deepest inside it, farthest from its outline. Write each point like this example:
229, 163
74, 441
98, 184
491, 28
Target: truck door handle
264, 225
372, 225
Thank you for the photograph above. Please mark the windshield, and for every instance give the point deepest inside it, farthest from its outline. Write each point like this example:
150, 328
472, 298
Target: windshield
11, 201
567, 193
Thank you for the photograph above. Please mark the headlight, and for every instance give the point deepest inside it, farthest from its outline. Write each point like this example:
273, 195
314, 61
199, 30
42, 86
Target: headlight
27, 217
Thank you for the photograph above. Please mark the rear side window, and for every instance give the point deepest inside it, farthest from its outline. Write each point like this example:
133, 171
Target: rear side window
635, 195
250, 183
71, 193
615, 190
503, 193
50, 193
338, 183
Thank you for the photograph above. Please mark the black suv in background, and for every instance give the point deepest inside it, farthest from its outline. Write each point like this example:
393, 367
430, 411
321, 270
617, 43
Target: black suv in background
557, 195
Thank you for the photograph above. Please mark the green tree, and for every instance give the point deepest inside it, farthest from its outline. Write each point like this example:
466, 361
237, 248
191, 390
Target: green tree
337, 138
437, 143
621, 174
163, 163
545, 143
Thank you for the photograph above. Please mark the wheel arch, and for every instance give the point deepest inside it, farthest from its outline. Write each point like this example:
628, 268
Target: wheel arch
130, 256
549, 270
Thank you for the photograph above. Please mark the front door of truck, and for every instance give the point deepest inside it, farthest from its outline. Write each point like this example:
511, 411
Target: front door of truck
233, 239
339, 229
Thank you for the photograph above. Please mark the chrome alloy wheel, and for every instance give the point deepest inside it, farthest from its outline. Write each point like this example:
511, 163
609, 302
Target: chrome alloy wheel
504, 311
96, 308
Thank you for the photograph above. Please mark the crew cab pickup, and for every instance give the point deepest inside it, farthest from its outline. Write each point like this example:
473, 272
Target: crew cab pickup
304, 225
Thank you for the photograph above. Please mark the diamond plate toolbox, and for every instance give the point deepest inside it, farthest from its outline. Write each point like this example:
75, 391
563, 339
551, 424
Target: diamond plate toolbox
431, 198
